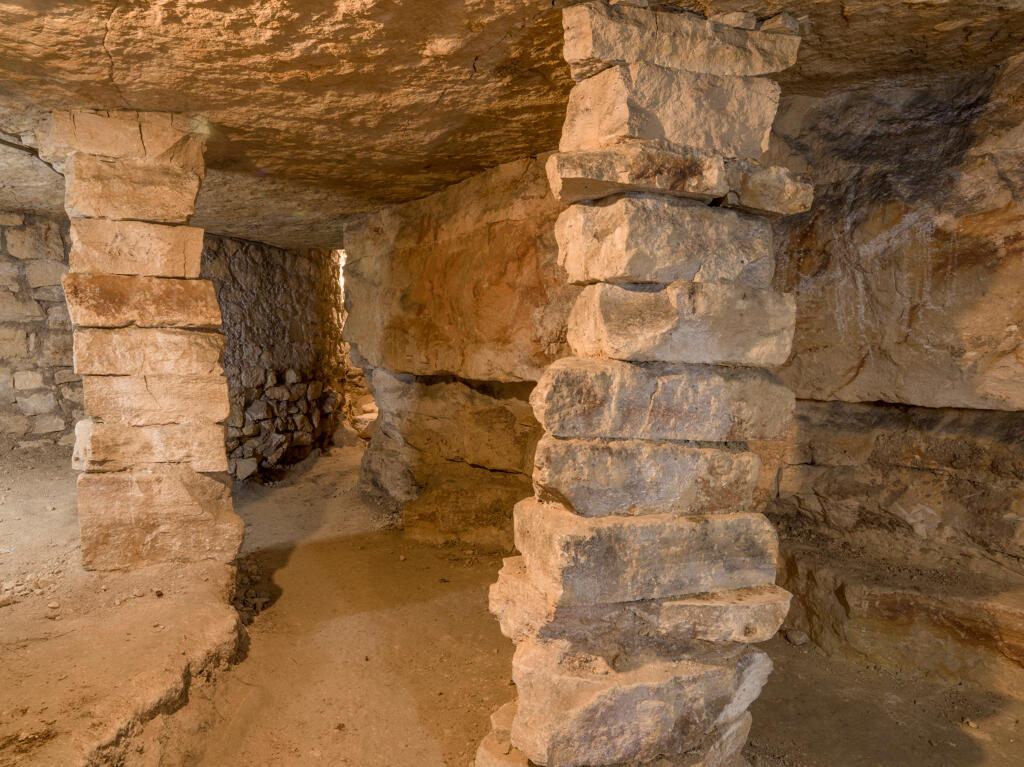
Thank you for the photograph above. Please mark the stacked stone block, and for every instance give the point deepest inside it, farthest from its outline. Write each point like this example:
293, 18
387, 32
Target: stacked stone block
146, 341
644, 574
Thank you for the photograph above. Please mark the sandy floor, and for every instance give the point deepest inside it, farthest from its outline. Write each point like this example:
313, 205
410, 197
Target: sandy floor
372, 650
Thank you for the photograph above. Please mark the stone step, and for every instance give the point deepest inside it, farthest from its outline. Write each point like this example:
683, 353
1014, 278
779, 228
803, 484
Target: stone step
731, 116
586, 560
114, 447
605, 398
654, 238
156, 514
598, 36
575, 709
745, 616
135, 247
115, 301
125, 188
147, 351
596, 477
685, 322
156, 399
646, 166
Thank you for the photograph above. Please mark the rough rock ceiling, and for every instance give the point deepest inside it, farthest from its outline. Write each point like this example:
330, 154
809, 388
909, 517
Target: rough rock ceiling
326, 108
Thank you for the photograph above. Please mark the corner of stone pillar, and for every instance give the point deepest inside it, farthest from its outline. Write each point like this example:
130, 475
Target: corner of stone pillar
154, 486
643, 565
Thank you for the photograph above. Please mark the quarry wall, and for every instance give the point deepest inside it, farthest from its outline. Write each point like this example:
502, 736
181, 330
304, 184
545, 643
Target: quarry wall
456, 305
898, 498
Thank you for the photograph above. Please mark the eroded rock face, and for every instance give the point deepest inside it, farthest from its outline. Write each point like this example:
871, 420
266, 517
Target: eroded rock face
906, 269
453, 458
465, 282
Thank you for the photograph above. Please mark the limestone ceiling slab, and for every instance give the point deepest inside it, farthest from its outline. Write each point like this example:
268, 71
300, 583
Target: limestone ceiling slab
327, 108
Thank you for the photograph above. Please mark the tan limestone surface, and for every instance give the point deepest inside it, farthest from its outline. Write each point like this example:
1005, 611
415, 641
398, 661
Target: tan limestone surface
465, 282
304, 96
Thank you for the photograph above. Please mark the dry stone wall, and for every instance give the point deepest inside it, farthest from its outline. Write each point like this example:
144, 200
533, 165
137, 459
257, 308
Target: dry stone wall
645, 574
456, 303
40, 394
901, 485
284, 357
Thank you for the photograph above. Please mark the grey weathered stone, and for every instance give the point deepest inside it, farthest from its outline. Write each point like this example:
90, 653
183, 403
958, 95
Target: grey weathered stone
663, 239
14, 308
44, 273
114, 301
618, 400
576, 709
585, 560
598, 36
743, 616
595, 477
135, 247
731, 116
636, 166
156, 399
147, 351
37, 403
38, 240
156, 514
685, 322
115, 447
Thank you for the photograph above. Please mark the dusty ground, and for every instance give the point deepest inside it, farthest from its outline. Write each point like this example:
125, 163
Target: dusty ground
369, 650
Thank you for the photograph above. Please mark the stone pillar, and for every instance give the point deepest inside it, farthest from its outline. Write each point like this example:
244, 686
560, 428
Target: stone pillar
645, 576
146, 341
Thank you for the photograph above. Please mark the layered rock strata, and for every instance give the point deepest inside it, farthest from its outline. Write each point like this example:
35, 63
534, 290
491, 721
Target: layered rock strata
644, 574
146, 342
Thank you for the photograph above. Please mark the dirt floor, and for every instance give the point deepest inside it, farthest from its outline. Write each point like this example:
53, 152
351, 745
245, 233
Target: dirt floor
367, 649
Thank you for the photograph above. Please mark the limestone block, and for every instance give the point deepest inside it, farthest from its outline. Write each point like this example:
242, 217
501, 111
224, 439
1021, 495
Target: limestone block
741, 616
135, 247
28, 379
155, 514
147, 351
636, 166
97, 187
41, 274
583, 560
13, 342
617, 400
685, 322
663, 239
598, 36
595, 477
39, 240
159, 137
13, 424
737, 19
113, 301
37, 403
576, 709
771, 191
115, 447
47, 424
14, 308
156, 399
728, 115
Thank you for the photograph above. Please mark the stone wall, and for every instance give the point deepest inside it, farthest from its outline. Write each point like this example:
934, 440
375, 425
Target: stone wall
456, 304
898, 499
283, 358
40, 395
